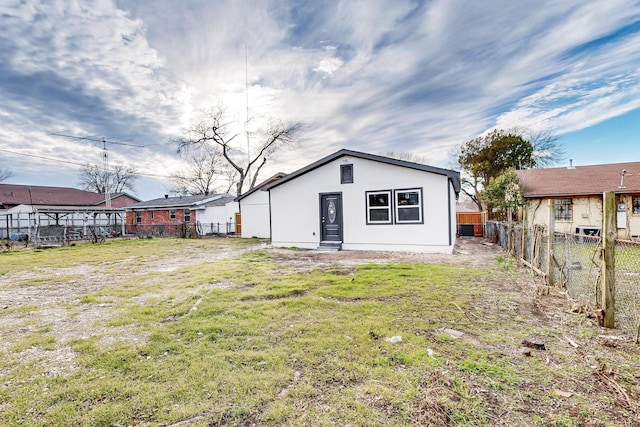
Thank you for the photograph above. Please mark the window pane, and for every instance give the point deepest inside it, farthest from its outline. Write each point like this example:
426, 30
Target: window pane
409, 214
408, 198
346, 174
379, 199
379, 215
563, 209
635, 202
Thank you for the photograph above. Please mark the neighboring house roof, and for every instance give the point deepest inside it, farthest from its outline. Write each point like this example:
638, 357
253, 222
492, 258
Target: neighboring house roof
466, 206
226, 198
262, 185
581, 180
180, 201
13, 195
453, 176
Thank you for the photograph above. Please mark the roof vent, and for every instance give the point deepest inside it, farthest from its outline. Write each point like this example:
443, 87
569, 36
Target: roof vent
166, 196
622, 174
571, 164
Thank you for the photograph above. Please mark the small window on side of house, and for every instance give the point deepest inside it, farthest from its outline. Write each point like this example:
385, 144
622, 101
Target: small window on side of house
187, 215
138, 217
563, 209
151, 215
172, 214
346, 174
379, 207
408, 206
635, 205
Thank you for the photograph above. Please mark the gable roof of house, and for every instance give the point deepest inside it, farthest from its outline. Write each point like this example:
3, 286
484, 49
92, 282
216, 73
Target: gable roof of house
581, 180
453, 176
221, 201
179, 201
14, 195
262, 185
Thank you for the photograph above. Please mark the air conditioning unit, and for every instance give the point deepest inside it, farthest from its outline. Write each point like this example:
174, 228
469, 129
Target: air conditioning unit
588, 230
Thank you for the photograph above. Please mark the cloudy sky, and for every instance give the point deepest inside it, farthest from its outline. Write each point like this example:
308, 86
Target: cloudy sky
373, 76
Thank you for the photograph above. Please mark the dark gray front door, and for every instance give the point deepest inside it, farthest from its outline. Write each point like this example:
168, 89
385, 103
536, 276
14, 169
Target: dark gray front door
331, 217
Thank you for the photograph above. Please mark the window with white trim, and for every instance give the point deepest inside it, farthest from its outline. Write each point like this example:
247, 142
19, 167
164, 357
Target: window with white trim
172, 213
151, 213
187, 215
408, 206
138, 217
379, 207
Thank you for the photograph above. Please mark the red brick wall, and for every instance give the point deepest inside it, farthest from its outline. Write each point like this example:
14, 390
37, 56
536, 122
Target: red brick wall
160, 216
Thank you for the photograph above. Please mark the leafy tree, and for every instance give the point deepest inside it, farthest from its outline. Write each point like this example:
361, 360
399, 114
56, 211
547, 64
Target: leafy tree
487, 157
115, 180
5, 174
215, 131
504, 193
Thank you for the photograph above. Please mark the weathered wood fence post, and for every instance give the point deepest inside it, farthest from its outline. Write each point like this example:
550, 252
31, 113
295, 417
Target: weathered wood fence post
550, 241
609, 232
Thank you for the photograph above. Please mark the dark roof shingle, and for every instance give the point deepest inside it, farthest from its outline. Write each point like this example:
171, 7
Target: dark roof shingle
13, 195
580, 180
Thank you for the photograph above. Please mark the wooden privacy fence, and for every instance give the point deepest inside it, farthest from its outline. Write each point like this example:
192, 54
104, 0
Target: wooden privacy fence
471, 223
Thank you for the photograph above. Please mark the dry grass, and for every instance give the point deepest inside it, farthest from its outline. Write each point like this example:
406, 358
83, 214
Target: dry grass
231, 332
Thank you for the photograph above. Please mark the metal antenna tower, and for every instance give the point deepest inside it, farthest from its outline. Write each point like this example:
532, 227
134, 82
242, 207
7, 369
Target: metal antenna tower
107, 174
105, 159
246, 123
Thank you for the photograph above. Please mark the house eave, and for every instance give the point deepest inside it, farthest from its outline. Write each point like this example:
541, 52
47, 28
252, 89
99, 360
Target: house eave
453, 176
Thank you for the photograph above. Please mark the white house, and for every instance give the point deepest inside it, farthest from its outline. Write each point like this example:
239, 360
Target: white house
254, 210
217, 214
353, 200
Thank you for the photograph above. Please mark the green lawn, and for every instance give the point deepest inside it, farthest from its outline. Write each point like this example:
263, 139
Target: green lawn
257, 337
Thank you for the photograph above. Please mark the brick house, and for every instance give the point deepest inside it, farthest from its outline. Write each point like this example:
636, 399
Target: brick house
577, 191
181, 215
24, 208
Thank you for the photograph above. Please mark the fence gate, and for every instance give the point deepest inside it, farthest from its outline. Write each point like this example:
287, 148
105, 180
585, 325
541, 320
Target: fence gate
238, 224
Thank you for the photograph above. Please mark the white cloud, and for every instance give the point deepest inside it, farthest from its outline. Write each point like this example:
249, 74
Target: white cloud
329, 66
374, 76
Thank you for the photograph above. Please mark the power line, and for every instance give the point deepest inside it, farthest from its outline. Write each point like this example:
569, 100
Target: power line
100, 140
74, 163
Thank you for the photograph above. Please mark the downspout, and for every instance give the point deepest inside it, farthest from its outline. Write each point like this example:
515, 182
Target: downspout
270, 226
449, 208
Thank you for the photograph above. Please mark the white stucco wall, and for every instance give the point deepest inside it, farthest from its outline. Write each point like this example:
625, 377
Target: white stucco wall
295, 208
587, 212
255, 215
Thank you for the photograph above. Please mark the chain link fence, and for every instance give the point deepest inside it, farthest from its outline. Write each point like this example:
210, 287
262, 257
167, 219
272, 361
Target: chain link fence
186, 229
627, 285
577, 265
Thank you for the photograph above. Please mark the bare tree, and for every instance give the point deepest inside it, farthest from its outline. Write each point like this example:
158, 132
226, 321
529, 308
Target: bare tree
546, 149
205, 166
407, 156
215, 130
5, 174
115, 180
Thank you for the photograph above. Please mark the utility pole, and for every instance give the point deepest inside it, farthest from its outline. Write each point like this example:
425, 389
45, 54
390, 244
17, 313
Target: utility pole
107, 174
246, 123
